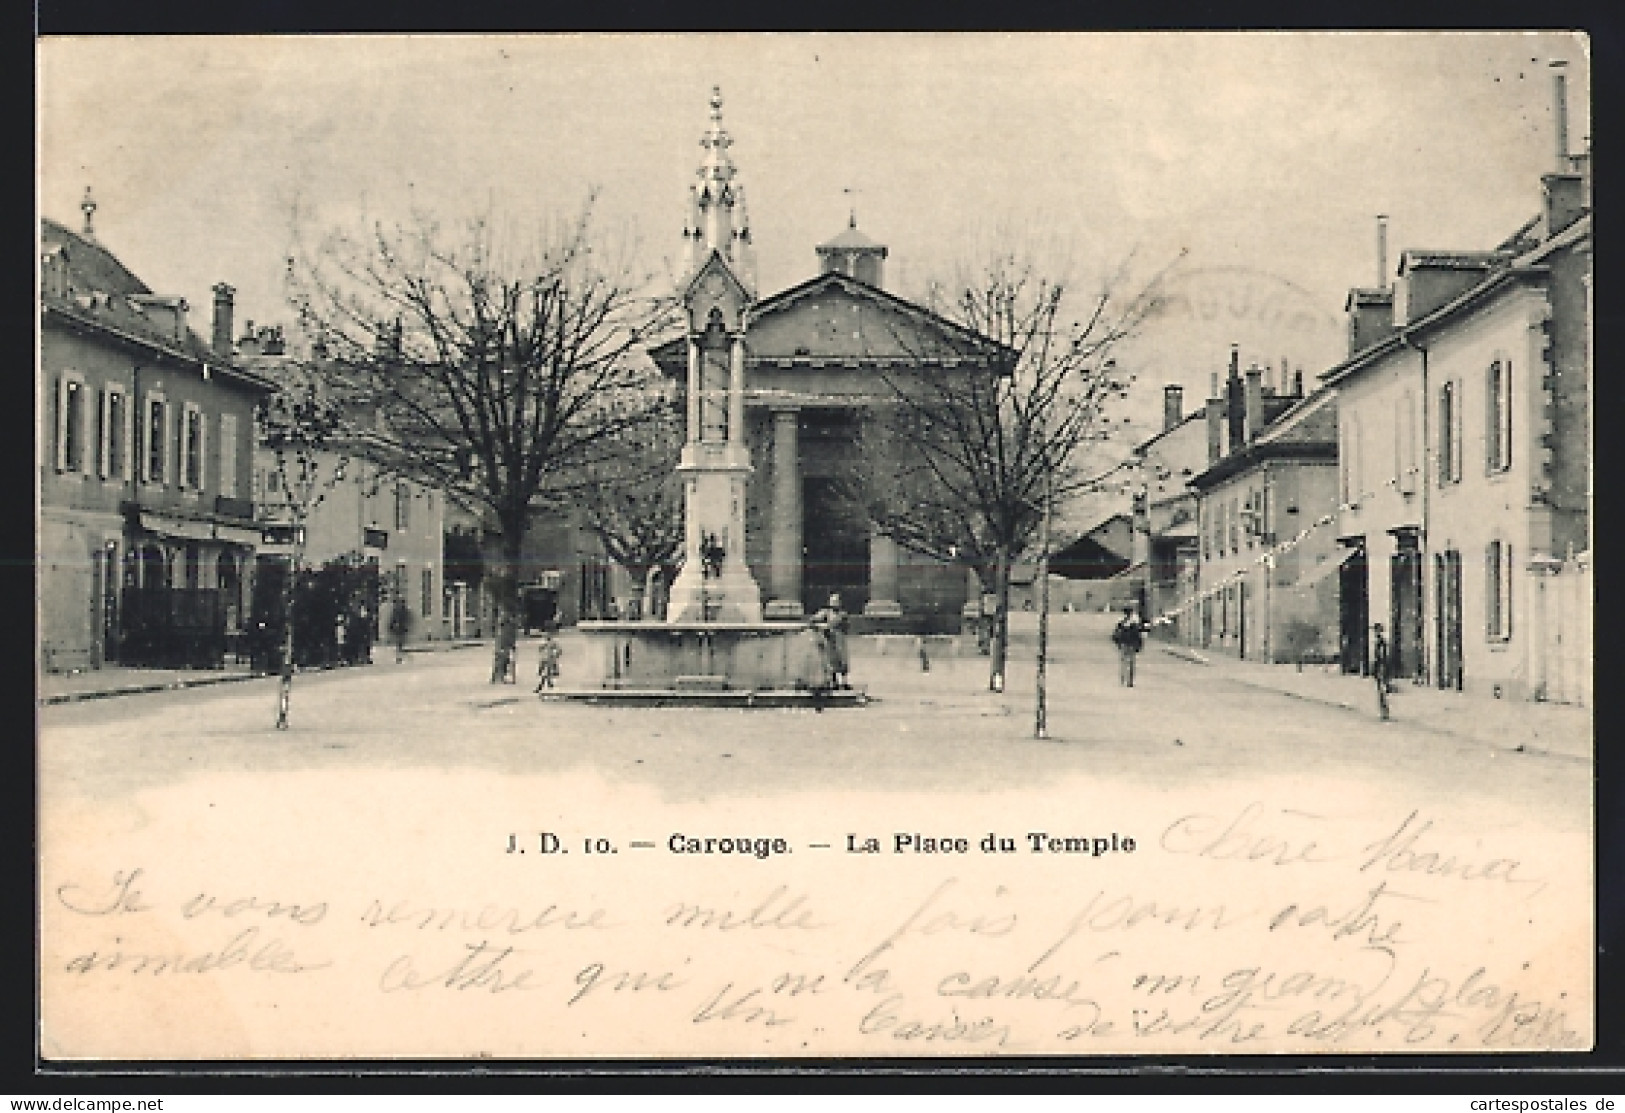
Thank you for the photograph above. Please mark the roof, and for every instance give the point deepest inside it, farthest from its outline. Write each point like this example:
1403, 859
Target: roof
91, 265
97, 293
1524, 268
1456, 260
955, 340
1198, 414
851, 239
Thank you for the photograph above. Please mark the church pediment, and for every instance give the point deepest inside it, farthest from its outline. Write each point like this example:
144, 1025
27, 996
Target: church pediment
835, 318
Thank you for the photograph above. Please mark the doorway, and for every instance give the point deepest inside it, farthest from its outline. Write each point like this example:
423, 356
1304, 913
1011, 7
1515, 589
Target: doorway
1447, 580
836, 548
1353, 610
1405, 605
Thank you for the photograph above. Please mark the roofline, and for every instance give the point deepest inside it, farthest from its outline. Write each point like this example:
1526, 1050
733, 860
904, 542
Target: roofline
1194, 415
801, 289
1525, 267
1259, 452
1316, 399
231, 370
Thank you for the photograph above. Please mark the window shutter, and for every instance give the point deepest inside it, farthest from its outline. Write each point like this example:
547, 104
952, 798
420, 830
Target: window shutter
1507, 598
228, 455
202, 452
1457, 438
127, 461
1506, 414
62, 423
104, 433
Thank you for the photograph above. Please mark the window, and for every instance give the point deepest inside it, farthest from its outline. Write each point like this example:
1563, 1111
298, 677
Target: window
1449, 434
403, 506
1233, 523
70, 423
1405, 444
1498, 572
228, 455
428, 592
115, 434
191, 448
157, 446
1498, 416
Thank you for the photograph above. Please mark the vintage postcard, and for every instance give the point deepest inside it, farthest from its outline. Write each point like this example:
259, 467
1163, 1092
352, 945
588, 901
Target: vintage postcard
776, 546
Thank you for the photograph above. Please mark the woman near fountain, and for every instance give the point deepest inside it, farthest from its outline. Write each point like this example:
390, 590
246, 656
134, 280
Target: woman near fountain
831, 622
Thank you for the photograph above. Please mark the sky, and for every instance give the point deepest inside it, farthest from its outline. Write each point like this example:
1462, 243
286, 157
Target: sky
1257, 161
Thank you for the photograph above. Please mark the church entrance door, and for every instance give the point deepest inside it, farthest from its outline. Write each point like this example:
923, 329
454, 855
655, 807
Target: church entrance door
836, 544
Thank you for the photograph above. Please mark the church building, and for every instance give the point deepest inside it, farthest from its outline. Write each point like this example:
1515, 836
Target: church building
778, 389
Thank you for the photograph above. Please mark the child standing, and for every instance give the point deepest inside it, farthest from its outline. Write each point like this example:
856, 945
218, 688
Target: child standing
547, 662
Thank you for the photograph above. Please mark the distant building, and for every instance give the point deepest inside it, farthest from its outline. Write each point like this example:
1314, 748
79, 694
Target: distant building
147, 530
1267, 562
393, 524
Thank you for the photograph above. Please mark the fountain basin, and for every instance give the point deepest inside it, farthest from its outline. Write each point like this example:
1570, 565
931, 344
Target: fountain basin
698, 657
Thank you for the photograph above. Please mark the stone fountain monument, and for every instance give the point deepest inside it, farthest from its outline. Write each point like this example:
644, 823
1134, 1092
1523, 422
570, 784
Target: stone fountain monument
713, 645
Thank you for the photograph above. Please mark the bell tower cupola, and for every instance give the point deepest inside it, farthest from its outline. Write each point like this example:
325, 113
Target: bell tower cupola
853, 254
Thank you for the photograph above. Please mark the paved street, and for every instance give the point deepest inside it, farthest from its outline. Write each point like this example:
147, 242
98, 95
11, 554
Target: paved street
1184, 723
400, 791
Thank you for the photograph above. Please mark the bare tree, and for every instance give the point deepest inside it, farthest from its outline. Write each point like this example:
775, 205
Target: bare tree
501, 370
960, 464
633, 502
303, 428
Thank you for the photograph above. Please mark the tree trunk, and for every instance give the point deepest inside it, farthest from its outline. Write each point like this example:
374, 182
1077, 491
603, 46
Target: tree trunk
1001, 621
505, 594
284, 695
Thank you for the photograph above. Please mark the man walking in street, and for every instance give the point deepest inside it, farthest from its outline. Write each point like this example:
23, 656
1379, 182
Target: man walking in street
1128, 635
1379, 668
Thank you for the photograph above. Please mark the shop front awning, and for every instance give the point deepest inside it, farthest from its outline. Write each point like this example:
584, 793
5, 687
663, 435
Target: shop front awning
198, 529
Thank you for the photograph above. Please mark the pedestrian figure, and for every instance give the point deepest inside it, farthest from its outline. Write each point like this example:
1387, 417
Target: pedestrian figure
830, 622
1379, 668
925, 657
1128, 635
547, 662
400, 620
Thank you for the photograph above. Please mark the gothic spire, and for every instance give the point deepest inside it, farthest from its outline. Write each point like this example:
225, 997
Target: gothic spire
717, 220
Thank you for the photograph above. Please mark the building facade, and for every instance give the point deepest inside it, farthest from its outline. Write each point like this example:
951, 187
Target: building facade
1267, 550
147, 530
805, 367
391, 524
1465, 457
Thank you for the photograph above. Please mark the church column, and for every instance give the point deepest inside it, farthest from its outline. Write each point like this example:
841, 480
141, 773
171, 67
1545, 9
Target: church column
882, 576
693, 389
736, 390
786, 537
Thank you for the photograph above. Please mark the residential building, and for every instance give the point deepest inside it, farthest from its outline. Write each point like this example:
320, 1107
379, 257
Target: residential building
1268, 545
146, 530
1465, 456
366, 513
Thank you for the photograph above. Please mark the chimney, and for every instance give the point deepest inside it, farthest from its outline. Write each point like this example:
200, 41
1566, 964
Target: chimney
1564, 200
1173, 401
224, 301
1382, 251
1255, 403
1235, 432
1297, 383
1215, 430
1560, 116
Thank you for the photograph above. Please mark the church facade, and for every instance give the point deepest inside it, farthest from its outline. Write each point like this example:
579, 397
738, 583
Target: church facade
778, 390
